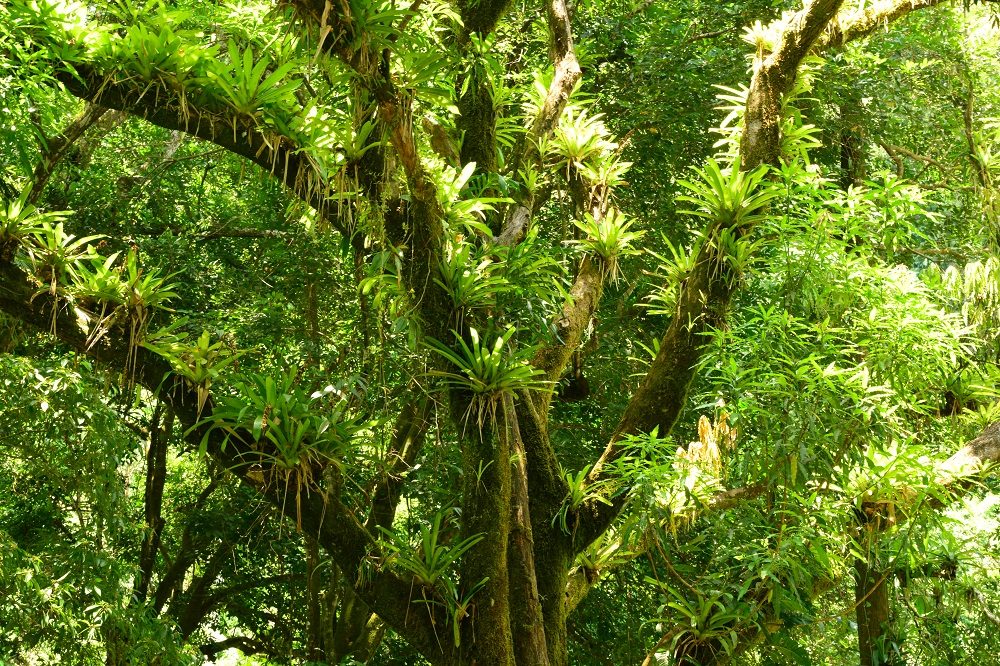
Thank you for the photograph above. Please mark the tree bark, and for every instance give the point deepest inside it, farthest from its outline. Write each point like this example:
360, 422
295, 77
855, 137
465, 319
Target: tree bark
853, 159
314, 602
553, 549
486, 637
58, 146
527, 622
160, 429
871, 596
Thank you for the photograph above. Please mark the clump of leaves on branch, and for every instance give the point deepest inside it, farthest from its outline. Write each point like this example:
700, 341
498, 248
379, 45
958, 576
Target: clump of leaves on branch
487, 371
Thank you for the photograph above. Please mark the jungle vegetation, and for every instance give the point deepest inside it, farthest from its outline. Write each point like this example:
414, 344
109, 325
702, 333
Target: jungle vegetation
497, 333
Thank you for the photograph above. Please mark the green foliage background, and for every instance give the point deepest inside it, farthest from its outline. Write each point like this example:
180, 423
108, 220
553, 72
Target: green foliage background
860, 351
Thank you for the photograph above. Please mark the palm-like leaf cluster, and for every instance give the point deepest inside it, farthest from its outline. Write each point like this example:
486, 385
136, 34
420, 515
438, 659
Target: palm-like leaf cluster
468, 281
487, 371
19, 221
199, 363
728, 198
610, 238
247, 85
431, 564
55, 255
284, 423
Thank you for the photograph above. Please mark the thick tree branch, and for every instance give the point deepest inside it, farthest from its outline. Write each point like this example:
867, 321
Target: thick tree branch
705, 296
247, 646
223, 593
584, 297
424, 216
894, 151
858, 24
334, 525
527, 621
279, 156
57, 147
477, 114
407, 443
773, 77
160, 429
566, 74
566, 69
972, 458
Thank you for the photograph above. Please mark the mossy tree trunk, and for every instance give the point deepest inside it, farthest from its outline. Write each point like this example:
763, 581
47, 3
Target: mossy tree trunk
871, 596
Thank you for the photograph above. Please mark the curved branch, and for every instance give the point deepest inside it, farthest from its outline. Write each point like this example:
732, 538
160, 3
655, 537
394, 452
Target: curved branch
566, 74
57, 147
859, 24
584, 297
242, 136
333, 524
407, 442
981, 452
247, 646
705, 296
773, 77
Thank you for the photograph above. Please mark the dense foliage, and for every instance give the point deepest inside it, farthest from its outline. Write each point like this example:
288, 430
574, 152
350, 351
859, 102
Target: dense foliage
493, 333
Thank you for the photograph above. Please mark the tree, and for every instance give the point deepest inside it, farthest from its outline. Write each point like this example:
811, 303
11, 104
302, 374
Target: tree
400, 129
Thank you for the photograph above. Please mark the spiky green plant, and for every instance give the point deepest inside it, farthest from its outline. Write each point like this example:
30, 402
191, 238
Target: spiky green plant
157, 53
431, 560
671, 271
19, 221
461, 209
101, 294
707, 618
288, 427
199, 363
728, 197
579, 490
101, 282
54, 256
487, 371
732, 102
246, 85
146, 290
580, 138
604, 173
284, 421
608, 238
469, 283
431, 563
148, 51
458, 604
125, 294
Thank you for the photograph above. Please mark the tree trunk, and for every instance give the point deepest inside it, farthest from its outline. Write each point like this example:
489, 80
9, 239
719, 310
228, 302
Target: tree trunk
527, 624
552, 549
351, 625
160, 429
871, 594
314, 600
485, 637
853, 164
116, 644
